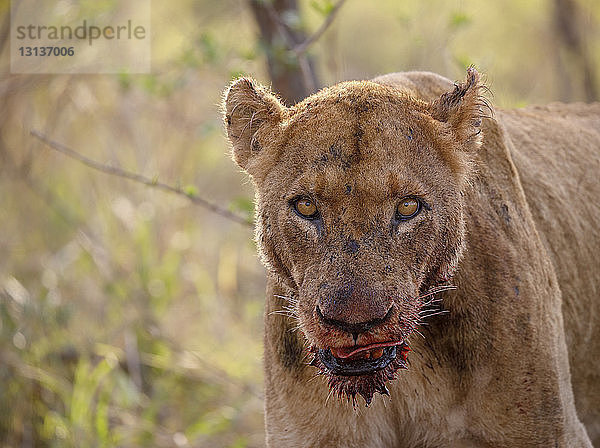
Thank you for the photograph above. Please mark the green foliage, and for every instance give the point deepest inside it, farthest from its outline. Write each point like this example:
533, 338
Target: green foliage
459, 20
323, 7
243, 205
191, 191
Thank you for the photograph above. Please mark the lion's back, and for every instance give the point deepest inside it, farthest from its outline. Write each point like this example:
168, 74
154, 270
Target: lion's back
556, 150
423, 85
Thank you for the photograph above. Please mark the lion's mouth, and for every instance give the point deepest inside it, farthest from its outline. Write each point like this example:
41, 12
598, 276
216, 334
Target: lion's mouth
362, 370
357, 361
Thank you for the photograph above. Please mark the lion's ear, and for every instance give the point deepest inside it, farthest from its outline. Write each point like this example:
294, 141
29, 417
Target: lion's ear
463, 109
249, 110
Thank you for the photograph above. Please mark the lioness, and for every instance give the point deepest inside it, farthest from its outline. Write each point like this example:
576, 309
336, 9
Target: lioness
419, 248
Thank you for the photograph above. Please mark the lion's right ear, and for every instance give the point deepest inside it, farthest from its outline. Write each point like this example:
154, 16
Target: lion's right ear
250, 111
463, 109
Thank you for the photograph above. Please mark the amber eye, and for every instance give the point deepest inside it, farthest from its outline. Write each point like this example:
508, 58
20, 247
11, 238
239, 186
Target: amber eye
407, 208
306, 208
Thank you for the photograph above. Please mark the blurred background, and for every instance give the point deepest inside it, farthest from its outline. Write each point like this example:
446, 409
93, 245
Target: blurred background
131, 316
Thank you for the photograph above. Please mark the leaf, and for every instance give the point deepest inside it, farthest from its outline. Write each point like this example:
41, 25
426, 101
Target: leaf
208, 47
459, 20
190, 191
242, 204
323, 7
124, 80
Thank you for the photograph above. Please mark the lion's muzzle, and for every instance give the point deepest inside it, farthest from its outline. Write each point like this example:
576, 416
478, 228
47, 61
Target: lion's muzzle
354, 328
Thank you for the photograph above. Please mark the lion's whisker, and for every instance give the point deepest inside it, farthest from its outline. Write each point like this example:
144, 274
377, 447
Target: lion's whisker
427, 310
432, 301
434, 314
296, 327
419, 333
292, 300
306, 357
436, 290
314, 377
290, 310
329, 395
284, 313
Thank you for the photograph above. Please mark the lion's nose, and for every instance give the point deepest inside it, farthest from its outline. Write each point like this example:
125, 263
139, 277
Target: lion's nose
354, 328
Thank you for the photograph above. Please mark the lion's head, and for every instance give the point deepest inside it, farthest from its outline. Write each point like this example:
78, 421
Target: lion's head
359, 212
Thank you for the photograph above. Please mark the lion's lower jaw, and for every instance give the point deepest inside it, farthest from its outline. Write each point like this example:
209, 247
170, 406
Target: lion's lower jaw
342, 386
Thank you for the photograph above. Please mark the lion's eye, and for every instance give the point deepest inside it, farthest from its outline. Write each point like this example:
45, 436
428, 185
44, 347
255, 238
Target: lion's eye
408, 208
306, 208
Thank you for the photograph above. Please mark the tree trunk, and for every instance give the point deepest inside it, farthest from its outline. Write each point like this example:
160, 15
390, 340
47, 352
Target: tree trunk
292, 73
574, 60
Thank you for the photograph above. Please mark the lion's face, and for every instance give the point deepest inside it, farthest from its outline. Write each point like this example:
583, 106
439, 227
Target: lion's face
359, 215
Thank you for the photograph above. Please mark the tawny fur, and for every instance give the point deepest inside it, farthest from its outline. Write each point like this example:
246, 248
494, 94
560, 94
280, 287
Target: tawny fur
513, 358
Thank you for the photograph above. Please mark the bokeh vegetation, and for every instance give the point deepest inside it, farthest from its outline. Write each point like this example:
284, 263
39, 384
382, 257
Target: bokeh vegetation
130, 316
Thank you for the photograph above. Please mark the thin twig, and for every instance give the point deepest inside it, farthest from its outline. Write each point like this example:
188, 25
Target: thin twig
291, 44
281, 25
301, 48
119, 172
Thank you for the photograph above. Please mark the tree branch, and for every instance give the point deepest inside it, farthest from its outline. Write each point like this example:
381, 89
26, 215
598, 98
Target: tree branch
291, 38
154, 183
293, 79
301, 48
308, 74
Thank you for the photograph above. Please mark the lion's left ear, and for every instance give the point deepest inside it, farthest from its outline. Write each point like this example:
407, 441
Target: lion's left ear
249, 111
463, 110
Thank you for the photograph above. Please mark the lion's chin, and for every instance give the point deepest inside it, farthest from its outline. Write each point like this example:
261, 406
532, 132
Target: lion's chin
362, 372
